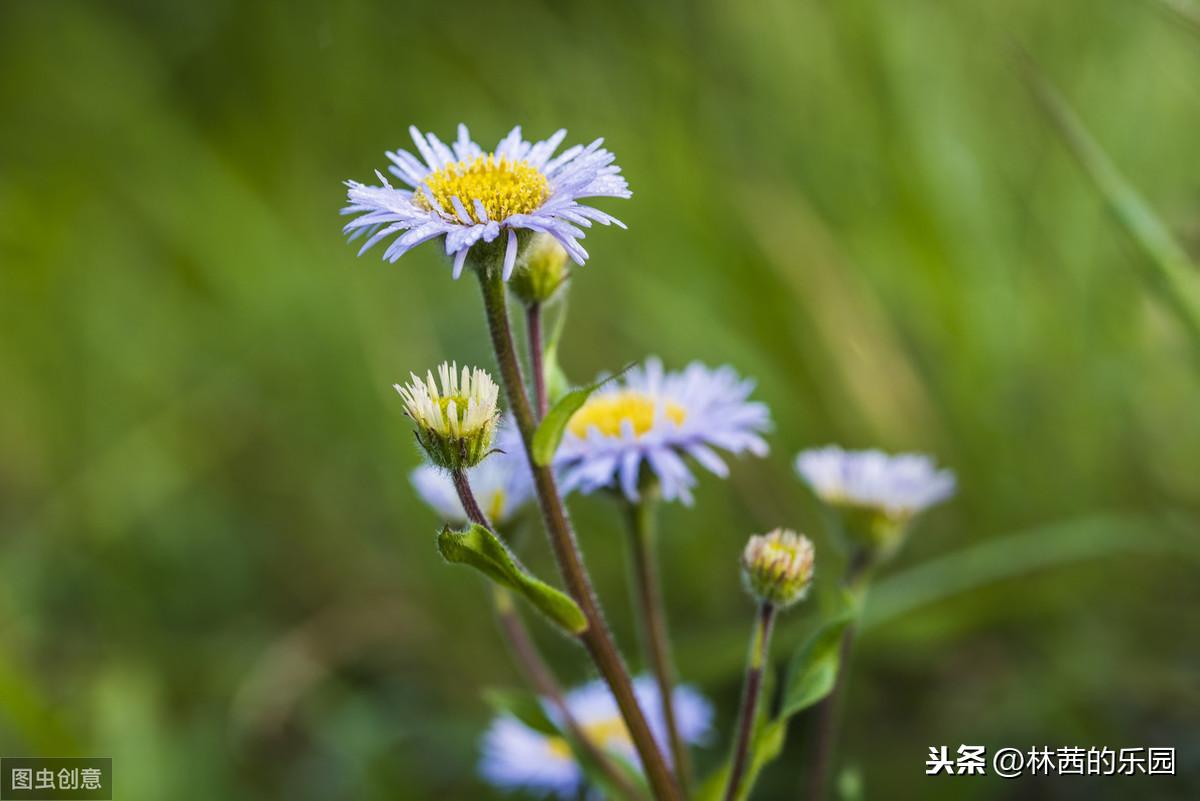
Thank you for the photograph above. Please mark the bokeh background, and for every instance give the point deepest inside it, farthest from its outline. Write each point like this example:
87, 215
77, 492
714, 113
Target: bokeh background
212, 566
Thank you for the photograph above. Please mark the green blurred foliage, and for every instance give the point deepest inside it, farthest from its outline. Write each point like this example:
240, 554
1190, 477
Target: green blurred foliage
213, 568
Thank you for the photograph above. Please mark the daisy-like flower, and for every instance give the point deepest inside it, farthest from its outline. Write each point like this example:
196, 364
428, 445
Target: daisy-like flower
464, 195
455, 421
516, 756
898, 486
502, 482
654, 418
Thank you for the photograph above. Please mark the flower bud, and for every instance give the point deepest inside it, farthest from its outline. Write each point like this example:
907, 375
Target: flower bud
455, 422
541, 270
777, 568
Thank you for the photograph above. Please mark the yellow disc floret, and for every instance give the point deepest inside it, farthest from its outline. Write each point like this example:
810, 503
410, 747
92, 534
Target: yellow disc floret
505, 187
608, 413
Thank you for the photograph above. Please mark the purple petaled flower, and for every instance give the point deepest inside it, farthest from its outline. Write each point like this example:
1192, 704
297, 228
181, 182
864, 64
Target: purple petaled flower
465, 195
516, 756
656, 419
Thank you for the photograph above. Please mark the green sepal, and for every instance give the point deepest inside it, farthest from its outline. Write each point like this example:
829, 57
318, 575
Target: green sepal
479, 548
550, 433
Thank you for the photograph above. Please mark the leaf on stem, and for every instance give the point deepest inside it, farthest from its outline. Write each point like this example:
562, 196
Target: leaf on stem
813, 671
480, 549
550, 433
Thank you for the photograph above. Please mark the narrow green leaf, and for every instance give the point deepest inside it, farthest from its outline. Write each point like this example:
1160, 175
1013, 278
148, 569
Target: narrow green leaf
1172, 271
550, 433
813, 671
480, 549
1020, 554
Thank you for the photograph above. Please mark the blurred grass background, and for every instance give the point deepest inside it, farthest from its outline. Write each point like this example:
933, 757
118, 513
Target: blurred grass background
212, 566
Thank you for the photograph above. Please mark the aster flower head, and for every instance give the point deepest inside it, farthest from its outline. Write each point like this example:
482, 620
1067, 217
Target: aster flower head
502, 482
777, 568
466, 196
654, 419
876, 493
456, 419
516, 756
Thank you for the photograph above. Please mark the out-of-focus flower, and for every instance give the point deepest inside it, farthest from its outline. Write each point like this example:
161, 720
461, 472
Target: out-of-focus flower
875, 493
467, 196
656, 419
502, 483
777, 568
455, 421
516, 756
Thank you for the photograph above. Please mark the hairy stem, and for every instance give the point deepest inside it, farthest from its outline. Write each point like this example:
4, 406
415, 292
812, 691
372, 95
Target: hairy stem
760, 644
653, 620
529, 659
533, 326
596, 639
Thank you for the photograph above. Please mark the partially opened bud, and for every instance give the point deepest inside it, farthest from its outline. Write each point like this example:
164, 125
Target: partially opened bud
777, 568
455, 422
541, 270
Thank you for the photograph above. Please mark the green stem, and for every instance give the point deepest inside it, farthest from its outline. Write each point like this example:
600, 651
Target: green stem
829, 712
596, 639
652, 614
533, 327
760, 644
530, 661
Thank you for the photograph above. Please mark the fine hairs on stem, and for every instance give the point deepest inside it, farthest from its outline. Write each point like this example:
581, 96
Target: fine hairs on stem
653, 622
760, 644
596, 639
536, 671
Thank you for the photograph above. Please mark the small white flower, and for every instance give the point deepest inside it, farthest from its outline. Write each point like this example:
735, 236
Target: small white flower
455, 420
655, 418
516, 756
898, 486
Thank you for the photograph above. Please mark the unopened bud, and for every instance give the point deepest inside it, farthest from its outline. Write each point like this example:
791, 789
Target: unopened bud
541, 270
777, 568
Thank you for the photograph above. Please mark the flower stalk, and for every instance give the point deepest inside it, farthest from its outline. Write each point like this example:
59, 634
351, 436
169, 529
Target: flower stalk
533, 326
760, 644
641, 516
530, 661
597, 639
829, 711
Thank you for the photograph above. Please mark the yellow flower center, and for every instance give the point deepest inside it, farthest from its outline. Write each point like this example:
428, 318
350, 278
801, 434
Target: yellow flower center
606, 414
605, 734
505, 187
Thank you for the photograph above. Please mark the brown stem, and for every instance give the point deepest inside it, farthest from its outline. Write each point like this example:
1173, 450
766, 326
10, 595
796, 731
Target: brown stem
533, 325
530, 661
596, 639
760, 643
648, 593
